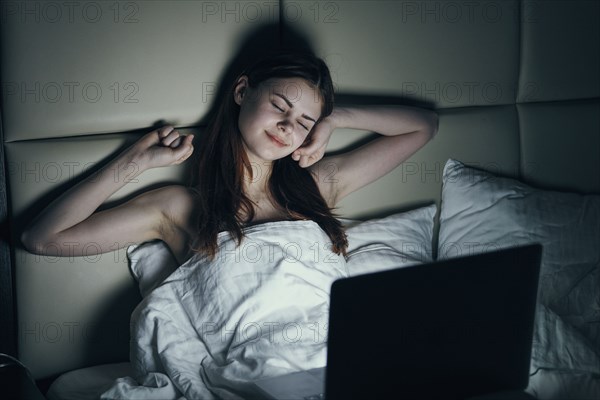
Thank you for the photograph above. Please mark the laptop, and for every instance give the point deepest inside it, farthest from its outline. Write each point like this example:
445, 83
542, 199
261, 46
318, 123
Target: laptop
452, 329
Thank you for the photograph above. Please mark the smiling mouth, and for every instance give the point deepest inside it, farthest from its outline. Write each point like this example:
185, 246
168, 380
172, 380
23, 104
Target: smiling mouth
276, 140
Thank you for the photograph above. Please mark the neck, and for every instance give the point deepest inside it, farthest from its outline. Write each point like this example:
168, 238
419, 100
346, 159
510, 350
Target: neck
258, 183
261, 171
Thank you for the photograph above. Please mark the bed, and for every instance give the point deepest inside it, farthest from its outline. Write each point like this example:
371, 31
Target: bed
516, 158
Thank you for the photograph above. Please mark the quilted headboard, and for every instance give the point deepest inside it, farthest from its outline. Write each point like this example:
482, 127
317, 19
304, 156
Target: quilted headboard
515, 83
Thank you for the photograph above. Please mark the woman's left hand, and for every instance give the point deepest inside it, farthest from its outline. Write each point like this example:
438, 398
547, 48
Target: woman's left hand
313, 149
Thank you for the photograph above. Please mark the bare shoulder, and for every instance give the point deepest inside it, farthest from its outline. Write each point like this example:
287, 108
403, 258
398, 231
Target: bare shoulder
177, 193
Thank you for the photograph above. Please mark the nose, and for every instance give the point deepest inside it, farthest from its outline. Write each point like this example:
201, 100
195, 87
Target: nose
285, 126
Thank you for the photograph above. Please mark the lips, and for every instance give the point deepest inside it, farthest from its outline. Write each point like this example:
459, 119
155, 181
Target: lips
276, 140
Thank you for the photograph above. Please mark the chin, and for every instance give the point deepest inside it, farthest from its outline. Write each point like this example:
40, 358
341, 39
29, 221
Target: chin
273, 156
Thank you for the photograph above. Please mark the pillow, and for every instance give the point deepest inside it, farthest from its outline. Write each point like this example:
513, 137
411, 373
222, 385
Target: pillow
398, 240
483, 212
150, 263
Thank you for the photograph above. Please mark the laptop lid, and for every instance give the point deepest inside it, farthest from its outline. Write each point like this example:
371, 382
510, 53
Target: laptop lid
450, 329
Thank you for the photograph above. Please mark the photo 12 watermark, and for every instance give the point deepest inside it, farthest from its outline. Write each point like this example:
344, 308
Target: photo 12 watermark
324, 12
69, 12
71, 332
30, 172
425, 172
273, 332
469, 12
69, 92
471, 92
73, 252
454, 249
261, 252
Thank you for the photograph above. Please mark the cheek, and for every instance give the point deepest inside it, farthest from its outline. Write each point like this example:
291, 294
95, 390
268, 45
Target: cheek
250, 114
299, 142
244, 119
305, 139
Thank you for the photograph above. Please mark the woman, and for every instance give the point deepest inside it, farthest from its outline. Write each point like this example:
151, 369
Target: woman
263, 160
216, 324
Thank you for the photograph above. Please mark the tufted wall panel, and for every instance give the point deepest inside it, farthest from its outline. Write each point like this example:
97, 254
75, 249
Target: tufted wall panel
103, 66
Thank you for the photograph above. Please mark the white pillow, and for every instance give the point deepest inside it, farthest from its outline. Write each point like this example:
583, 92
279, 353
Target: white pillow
150, 263
483, 212
398, 240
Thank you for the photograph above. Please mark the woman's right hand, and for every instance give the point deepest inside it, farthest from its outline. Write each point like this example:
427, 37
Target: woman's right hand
163, 147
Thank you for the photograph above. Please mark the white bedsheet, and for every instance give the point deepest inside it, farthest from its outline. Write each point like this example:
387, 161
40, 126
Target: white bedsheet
565, 364
256, 311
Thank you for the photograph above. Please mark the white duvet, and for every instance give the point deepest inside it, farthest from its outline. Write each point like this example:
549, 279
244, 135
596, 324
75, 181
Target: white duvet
257, 310
261, 310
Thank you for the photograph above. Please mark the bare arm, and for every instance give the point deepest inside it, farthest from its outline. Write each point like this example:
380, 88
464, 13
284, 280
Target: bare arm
71, 226
404, 130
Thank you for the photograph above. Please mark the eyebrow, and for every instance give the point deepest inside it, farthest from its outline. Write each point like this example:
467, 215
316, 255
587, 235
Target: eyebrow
289, 103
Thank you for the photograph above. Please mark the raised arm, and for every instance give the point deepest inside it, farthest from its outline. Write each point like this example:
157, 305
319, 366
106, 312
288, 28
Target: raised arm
404, 130
71, 226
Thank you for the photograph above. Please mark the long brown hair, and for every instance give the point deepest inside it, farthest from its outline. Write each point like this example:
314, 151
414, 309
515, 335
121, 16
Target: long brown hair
222, 162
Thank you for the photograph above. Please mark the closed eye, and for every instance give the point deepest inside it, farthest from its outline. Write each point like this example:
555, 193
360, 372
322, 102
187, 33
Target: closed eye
282, 110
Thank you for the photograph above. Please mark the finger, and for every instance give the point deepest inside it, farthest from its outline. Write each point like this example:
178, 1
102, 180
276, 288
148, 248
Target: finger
153, 137
307, 149
312, 159
170, 138
182, 140
164, 131
188, 141
304, 161
300, 156
184, 157
300, 152
186, 146
184, 154
176, 142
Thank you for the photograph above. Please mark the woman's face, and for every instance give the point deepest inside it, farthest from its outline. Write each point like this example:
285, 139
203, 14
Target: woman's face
276, 117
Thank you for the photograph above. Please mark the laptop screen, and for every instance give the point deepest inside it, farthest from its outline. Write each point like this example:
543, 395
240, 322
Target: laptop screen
450, 329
